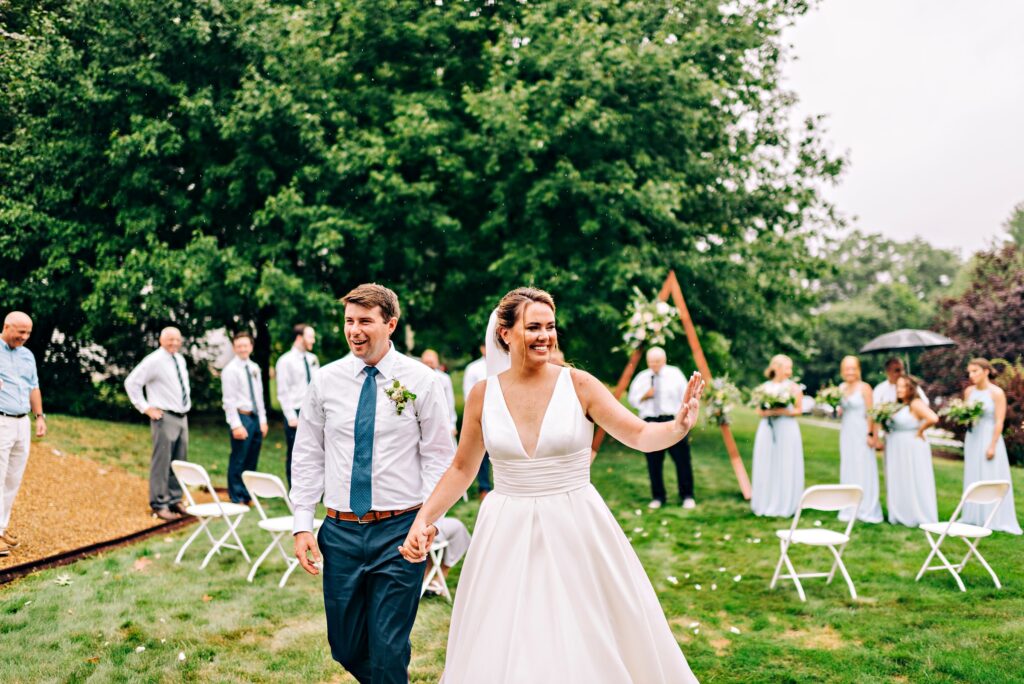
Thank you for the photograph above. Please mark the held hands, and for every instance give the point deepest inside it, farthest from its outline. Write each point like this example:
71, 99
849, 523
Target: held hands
690, 410
418, 542
305, 542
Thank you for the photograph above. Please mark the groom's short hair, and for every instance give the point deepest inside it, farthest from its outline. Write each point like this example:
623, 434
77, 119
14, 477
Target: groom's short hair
369, 295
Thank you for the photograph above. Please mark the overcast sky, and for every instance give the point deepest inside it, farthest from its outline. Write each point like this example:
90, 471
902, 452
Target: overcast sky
927, 98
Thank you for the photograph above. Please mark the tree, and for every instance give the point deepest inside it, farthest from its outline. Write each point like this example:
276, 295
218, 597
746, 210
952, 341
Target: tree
242, 163
1015, 225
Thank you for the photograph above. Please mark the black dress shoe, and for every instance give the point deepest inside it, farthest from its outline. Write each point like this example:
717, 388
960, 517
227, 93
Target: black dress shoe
178, 508
166, 514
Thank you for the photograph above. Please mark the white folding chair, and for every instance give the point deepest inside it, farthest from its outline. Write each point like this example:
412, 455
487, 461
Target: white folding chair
821, 498
434, 578
193, 475
984, 492
267, 486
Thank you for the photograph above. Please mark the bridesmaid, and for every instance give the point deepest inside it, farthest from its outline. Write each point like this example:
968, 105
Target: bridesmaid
984, 450
778, 472
857, 462
909, 479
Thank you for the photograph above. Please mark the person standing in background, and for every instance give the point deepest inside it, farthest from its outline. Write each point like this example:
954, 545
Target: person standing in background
294, 371
431, 360
657, 393
242, 388
475, 372
19, 395
885, 391
857, 462
158, 388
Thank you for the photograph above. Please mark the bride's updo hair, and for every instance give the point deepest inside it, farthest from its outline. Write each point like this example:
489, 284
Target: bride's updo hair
514, 303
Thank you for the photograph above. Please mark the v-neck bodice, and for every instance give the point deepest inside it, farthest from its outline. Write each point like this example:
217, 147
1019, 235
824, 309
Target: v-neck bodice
561, 461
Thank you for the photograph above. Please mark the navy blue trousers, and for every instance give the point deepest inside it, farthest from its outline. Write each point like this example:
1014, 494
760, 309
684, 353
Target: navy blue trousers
371, 595
245, 455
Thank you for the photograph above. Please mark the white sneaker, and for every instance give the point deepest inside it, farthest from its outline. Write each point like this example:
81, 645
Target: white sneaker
654, 505
689, 503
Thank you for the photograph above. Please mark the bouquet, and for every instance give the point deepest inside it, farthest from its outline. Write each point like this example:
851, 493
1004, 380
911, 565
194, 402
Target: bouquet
769, 397
649, 323
883, 413
963, 413
721, 396
831, 395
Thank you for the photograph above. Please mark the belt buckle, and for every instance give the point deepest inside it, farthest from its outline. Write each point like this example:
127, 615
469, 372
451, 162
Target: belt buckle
367, 522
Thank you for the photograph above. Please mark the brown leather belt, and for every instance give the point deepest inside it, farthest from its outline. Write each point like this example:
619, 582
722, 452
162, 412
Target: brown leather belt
371, 517
245, 413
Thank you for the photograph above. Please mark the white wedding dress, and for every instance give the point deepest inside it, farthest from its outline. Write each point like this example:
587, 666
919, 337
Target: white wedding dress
551, 590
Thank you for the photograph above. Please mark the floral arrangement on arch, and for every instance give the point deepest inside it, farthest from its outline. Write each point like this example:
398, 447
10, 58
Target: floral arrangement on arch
721, 397
650, 323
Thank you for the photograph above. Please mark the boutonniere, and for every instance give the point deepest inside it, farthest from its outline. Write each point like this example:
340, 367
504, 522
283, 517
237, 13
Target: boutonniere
399, 394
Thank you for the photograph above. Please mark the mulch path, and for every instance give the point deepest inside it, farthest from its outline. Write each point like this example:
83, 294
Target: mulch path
66, 503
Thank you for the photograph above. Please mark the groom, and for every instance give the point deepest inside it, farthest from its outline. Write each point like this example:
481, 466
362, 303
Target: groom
374, 452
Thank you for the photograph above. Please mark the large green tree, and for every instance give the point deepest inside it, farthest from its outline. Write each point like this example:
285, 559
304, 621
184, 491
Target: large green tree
242, 163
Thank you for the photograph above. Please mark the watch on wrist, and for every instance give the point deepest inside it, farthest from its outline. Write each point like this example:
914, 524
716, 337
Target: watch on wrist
40, 415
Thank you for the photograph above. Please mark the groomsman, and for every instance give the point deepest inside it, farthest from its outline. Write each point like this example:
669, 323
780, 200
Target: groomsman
657, 392
431, 360
474, 373
242, 388
373, 453
294, 371
19, 395
158, 387
885, 391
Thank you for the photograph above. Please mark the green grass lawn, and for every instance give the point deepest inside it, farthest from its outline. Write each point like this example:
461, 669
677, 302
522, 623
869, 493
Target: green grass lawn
232, 631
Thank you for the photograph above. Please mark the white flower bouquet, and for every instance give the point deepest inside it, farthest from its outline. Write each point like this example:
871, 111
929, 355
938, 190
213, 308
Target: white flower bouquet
883, 413
831, 395
721, 396
650, 323
965, 414
769, 397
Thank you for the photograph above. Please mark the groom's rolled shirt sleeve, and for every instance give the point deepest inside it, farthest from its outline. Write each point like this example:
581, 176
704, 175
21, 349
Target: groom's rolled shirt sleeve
308, 460
437, 449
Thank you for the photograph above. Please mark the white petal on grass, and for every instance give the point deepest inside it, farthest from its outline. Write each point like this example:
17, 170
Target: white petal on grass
714, 587
737, 578
140, 649
817, 523
694, 625
697, 587
721, 569
734, 630
181, 656
672, 579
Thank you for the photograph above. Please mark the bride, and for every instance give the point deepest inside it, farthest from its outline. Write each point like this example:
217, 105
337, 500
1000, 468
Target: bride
550, 590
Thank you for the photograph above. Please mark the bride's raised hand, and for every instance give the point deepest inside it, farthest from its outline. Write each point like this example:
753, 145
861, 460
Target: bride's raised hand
690, 409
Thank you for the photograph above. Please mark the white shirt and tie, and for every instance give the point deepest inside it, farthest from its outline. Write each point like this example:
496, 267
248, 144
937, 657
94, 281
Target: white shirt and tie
294, 371
241, 382
411, 450
669, 389
475, 372
160, 381
885, 393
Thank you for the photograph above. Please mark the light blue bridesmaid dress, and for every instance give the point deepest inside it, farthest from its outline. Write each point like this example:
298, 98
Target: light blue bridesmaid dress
909, 478
978, 467
857, 462
778, 469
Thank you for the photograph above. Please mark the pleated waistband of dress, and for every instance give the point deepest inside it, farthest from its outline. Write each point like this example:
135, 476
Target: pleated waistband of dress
542, 476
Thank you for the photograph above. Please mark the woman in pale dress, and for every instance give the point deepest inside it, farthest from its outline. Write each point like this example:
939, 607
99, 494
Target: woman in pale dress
778, 468
985, 455
909, 478
857, 462
550, 590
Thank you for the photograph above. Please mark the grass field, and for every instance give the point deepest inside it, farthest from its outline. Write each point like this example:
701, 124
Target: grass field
232, 631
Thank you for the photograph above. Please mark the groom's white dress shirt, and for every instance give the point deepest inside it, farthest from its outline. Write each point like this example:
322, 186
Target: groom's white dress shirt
669, 390
411, 451
290, 372
235, 388
156, 375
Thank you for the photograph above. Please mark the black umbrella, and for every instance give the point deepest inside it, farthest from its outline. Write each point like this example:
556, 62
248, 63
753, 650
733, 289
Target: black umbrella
906, 340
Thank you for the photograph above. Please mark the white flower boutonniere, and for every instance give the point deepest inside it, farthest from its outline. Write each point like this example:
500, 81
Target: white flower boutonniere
399, 394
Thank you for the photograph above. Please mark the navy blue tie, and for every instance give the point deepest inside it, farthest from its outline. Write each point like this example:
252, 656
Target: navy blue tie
360, 497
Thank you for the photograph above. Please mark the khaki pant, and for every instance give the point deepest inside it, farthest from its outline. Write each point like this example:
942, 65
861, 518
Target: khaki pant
15, 438
170, 443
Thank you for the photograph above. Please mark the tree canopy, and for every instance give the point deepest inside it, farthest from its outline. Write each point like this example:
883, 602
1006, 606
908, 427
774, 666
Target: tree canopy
243, 163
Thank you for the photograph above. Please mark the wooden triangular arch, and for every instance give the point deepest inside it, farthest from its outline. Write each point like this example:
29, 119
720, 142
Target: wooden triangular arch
671, 288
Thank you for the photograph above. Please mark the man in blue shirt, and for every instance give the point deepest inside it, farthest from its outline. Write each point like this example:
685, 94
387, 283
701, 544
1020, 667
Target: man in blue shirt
19, 394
